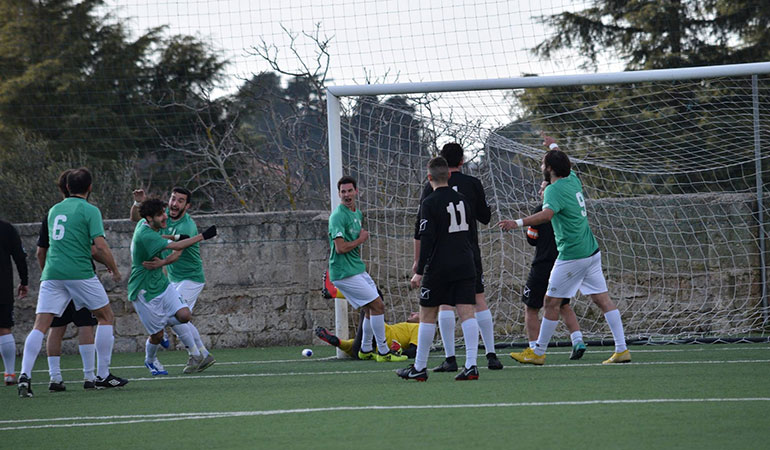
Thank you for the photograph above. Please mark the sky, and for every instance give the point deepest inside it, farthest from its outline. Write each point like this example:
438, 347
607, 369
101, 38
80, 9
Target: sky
369, 41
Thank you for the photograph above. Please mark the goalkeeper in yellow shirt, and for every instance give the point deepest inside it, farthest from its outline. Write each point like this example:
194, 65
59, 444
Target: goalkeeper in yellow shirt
401, 337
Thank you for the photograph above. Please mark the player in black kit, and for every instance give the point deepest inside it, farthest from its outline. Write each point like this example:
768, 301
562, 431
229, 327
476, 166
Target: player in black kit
10, 248
473, 191
445, 271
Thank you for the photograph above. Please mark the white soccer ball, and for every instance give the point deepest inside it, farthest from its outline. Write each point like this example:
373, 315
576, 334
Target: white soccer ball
307, 353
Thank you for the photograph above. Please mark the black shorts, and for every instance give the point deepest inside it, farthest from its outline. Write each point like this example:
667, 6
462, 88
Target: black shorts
536, 287
81, 317
6, 315
452, 293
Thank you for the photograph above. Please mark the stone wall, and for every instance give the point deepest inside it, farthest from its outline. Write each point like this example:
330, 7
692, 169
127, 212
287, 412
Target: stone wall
676, 265
263, 282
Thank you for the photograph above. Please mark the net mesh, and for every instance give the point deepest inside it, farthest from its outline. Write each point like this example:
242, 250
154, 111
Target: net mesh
669, 171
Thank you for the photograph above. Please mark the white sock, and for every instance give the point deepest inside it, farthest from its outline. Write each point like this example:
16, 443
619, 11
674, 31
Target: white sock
366, 335
8, 351
425, 334
471, 335
547, 328
446, 326
198, 341
54, 370
88, 355
103, 342
185, 335
378, 329
487, 329
532, 344
32, 346
150, 351
616, 326
576, 337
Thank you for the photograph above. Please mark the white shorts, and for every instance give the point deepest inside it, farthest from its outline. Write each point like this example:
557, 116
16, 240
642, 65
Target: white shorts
583, 274
359, 290
155, 314
189, 290
54, 295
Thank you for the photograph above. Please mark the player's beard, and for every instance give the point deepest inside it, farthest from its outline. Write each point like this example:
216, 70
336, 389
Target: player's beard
547, 175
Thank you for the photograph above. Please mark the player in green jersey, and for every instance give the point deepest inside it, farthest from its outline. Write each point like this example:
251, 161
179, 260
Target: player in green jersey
579, 265
186, 274
155, 300
73, 225
348, 272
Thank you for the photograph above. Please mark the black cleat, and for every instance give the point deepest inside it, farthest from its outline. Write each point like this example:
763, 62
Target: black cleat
110, 382
25, 386
324, 335
448, 365
410, 373
54, 386
468, 374
89, 384
577, 351
493, 363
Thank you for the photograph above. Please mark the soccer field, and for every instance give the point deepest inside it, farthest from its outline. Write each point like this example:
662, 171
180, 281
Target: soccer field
694, 396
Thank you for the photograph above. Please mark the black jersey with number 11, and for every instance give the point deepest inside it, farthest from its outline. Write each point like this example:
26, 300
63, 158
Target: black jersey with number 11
447, 224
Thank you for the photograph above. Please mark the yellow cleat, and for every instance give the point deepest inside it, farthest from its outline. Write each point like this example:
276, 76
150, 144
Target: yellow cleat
366, 355
618, 358
389, 357
528, 356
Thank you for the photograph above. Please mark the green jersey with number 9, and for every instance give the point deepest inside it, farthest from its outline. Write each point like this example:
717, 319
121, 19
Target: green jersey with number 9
574, 238
73, 224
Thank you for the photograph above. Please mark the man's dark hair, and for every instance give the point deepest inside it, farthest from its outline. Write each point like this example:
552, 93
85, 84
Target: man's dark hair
181, 190
152, 207
453, 153
63, 183
559, 162
78, 181
347, 180
438, 169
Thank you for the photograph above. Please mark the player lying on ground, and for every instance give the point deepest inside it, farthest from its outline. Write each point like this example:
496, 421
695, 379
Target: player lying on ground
401, 337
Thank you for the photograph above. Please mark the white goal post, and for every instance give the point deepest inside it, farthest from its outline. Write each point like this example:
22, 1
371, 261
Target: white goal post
672, 161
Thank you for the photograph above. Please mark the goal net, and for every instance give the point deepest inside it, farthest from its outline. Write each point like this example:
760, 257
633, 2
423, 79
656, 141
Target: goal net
674, 168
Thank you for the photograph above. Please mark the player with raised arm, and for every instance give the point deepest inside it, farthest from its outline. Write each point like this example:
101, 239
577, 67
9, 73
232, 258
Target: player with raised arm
74, 225
155, 300
186, 274
445, 272
579, 265
473, 191
10, 248
348, 272
541, 237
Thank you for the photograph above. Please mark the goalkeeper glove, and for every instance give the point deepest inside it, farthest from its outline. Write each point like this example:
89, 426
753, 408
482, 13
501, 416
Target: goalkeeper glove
210, 232
180, 237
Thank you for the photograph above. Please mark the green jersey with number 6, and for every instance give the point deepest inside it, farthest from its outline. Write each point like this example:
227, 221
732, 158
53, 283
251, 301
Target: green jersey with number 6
574, 238
73, 224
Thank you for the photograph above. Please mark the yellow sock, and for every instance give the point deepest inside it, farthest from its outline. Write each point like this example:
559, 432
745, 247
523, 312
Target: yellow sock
346, 346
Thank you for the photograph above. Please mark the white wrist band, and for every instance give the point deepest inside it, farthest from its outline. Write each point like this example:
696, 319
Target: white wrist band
137, 204
519, 223
553, 145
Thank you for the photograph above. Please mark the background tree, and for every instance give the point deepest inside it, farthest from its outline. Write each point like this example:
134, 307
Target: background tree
656, 123
75, 79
